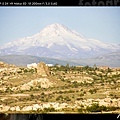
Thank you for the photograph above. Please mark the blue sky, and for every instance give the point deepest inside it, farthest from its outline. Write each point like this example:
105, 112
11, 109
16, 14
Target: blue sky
102, 23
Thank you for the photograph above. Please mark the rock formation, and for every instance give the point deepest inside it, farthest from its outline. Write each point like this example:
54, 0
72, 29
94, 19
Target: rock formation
42, 69
5, 65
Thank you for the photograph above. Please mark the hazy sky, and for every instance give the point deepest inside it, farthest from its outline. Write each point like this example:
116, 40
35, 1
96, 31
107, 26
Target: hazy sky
102, 23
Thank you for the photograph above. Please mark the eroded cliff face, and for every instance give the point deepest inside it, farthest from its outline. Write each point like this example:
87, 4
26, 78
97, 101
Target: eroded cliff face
42, 69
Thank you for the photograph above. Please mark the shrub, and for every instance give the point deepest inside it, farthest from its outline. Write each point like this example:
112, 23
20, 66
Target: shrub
67, 99
82, 94
79, 98
42, 93
31, 95
93, 91
49, 109
80, 110
96, 108
112, 108
60, 97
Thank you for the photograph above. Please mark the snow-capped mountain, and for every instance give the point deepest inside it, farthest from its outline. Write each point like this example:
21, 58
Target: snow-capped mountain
58, 41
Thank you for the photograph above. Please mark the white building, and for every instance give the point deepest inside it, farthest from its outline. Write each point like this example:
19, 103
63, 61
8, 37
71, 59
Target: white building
32, 65
50, 65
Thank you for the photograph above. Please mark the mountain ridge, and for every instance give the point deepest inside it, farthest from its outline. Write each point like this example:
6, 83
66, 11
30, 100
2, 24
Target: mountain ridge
57, 41
20, 60
111, 60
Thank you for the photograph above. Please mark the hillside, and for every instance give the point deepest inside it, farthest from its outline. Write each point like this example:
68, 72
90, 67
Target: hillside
23, 60
68, 89
110, 59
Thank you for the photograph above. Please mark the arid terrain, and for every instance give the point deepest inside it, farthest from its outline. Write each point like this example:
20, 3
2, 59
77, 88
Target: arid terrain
41, 88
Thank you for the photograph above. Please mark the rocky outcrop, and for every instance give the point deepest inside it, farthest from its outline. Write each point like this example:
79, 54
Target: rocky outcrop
2, 64
42, 69
5, 65
43, 82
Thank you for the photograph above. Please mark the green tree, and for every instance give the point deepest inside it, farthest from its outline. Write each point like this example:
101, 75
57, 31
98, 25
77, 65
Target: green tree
67, 65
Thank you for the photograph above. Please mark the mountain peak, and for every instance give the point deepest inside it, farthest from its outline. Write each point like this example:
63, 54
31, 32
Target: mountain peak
57, 40
56, 26
57, 29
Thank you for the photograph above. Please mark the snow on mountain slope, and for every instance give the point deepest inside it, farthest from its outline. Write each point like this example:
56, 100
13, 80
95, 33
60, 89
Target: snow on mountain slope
57, 41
